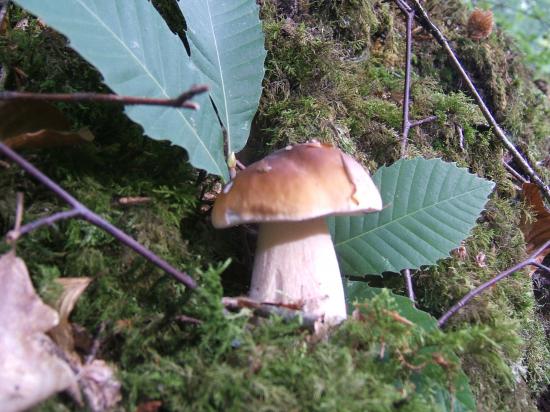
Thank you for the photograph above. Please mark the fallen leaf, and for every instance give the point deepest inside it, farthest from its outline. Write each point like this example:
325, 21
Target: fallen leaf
150, 406
538, 232
37, 125
97, 379
100, 386
46, 138
21, 117
32, 369
62, 334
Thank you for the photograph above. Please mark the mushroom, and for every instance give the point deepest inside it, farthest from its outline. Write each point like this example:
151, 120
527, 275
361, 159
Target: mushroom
290, 192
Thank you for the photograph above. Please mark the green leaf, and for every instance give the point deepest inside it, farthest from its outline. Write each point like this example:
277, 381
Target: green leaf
358, 291
430, 207
132, 47
227, 45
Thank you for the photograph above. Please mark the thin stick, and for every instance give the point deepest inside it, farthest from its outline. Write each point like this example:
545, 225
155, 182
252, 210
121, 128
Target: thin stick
460, 137
181, 101
19, 211
428, 119
542, 267
424, 19
15, 234
83, 212
407, 92
240, 165
531, 260
514, 173
409, 285
406, 125
265, 310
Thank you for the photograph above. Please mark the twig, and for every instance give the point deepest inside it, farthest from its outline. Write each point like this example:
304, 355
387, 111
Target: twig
240, 165
409, 285
428, 119
96, 344
181, 101
133, 200
542, 267
19, 211
81, 211
531, 260
514, 173
406, 95
460, 137
15, 234
406, 125
188, 319
425, 21
264, 310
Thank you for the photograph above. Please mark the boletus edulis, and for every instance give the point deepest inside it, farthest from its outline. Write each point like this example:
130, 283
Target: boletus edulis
290, 193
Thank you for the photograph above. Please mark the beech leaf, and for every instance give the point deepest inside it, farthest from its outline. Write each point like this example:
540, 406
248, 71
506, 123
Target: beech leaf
430, 206
137, 54
227, 45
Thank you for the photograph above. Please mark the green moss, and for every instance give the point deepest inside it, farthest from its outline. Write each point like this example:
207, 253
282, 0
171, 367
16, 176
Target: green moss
334, 72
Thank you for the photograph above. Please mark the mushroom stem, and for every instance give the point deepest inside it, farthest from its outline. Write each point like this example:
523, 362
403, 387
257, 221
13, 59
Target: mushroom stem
296, 263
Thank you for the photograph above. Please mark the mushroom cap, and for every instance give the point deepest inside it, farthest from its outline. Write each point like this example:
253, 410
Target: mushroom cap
300, 182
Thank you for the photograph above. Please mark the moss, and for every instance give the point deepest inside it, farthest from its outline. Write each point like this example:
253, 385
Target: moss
334, 72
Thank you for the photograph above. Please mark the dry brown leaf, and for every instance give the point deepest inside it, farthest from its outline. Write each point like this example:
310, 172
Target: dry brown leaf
47, 138
36, 125
31, 368
97, 379
62, 334
538, 232
149, 406
20, 117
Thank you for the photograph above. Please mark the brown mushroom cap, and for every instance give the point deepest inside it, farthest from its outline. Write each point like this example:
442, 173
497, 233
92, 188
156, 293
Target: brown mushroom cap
299, 182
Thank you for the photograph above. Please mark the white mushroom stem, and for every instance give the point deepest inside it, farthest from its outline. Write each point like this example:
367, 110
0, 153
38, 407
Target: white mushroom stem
296, 263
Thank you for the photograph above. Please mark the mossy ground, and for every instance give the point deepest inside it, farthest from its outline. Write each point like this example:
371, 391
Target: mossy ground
335, 73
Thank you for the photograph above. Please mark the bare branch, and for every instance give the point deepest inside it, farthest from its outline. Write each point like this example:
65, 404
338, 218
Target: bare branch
531, 260
83, 212
428, 119
409, 285
514, 173
542, 267
406, 95
425, 21
264, 310
181, 101
406, 125
19, 211
15, 234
